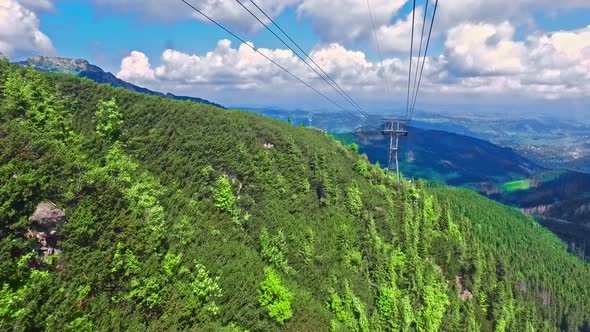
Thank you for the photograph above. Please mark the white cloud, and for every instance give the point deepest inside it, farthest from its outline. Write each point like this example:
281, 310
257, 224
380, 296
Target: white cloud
486, 59
478, 61
37, 4
347, 20
241, 75
574, 45
397, 37
454, 12
560, 63
484, 49
137, 68
19, 29
236, 68
226, 11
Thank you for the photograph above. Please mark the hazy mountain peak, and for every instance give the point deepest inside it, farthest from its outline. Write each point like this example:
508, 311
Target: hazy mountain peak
61, 65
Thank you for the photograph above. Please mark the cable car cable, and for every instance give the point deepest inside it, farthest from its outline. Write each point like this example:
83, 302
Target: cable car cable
269, 59
343, 95
419, 52
306, 54
411, 56
424, 60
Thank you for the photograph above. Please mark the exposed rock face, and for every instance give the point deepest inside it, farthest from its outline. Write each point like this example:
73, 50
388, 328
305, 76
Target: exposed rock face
464, 293
60, 65
44, 221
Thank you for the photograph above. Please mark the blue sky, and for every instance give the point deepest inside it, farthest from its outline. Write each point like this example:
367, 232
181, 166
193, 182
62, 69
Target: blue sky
483, 53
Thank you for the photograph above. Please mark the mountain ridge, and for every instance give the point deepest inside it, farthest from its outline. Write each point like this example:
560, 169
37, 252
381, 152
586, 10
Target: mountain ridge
83, 68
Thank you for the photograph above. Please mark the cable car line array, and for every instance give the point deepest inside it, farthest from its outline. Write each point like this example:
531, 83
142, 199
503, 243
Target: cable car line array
411, 61
338, 90
393, 127
419, 55
348, 97
424, 58
272, 61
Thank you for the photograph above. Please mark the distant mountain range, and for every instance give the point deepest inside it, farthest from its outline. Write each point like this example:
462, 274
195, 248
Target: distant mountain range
82, 68
551, 142
450, 158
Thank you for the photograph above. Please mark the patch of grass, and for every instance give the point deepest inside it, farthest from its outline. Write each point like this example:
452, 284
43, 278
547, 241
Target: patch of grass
516, 186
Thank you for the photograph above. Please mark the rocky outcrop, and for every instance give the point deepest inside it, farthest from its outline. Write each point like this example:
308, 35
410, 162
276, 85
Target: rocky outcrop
60, 65
464, 293
44, 223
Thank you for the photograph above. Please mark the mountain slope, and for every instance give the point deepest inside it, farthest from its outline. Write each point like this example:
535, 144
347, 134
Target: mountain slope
83, 68
183, 216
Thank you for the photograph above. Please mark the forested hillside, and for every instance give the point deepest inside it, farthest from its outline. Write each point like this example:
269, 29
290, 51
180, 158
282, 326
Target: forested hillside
173, 215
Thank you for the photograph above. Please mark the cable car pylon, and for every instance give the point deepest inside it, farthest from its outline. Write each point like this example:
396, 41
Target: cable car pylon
394, 129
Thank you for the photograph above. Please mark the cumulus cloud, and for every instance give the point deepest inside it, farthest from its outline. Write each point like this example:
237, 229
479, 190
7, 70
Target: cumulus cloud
237, 67
398, 36
238, 72
487, 59
574, 45
484, 49
225, 11
19, 28
137, 68
560, 63
347, 20
37, 4
478, 60
454, 12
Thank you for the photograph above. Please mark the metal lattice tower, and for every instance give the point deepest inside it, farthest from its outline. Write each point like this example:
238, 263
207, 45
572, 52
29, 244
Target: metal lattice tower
394, 129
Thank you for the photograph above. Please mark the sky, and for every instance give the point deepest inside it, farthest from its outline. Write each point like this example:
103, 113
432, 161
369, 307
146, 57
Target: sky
511, 55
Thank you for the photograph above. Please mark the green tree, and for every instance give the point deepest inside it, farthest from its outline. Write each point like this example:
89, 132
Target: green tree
353, 199
275, 297
362, 167
224, 197
206, 289
274, 249
172, 263
15, 96
109, 119
435, 304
